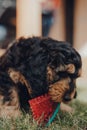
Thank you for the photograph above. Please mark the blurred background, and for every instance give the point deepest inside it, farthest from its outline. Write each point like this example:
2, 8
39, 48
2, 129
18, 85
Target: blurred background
64, 20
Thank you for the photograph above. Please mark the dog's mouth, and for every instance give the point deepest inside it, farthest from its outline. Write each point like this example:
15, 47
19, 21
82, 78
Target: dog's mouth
69, 97
71, 93
63, 90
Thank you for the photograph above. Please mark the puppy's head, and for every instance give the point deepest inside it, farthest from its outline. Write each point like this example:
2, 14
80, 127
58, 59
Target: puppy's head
64, 68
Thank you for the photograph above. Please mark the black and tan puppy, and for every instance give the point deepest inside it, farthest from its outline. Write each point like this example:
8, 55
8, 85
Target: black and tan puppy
34, 66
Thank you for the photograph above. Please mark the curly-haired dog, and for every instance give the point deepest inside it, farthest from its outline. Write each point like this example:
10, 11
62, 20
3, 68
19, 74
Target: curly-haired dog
34, 66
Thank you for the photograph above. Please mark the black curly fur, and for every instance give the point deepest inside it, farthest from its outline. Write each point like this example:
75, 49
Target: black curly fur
32, 56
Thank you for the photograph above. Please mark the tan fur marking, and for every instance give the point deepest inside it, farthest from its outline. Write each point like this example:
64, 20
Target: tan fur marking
50, 74
79, 72
73, 93
58, 89
60, 68
10, 108
16, 76
70, 68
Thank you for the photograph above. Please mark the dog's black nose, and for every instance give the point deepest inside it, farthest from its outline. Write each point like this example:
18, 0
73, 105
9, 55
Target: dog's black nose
67, 98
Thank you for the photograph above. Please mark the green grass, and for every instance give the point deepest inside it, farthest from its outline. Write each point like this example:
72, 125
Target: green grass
63, 121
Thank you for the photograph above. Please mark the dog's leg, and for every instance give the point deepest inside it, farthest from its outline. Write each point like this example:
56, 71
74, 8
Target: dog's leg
9, 106
66, 108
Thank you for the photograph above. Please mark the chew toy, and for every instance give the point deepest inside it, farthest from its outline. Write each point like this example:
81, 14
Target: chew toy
44, 109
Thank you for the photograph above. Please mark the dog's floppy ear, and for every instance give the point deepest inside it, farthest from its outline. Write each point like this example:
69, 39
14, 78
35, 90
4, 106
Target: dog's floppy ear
70, 68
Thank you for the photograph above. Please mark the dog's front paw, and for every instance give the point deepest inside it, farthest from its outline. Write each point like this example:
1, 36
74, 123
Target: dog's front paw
66, 108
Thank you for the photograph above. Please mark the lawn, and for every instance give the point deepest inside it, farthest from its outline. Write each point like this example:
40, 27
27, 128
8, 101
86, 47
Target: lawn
63, 121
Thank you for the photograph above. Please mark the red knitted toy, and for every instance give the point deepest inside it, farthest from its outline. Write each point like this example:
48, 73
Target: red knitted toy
42, 108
